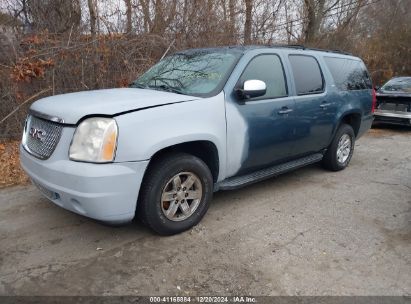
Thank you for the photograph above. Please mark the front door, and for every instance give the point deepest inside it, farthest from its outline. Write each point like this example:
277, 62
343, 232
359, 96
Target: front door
260, 131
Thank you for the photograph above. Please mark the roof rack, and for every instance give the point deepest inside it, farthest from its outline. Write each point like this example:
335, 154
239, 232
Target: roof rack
287, 46
303, 47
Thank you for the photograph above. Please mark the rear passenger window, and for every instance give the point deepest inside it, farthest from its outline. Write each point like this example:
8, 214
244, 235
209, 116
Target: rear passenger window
269, 69
348, 74
307, 74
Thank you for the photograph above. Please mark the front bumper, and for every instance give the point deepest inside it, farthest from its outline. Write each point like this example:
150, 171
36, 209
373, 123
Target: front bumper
393, 117
105, 192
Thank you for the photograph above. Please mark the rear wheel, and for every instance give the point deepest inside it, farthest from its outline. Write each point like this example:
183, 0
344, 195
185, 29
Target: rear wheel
175, 193
340, 151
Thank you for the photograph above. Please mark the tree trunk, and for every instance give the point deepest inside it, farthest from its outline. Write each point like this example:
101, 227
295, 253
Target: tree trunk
27, 24
209, 27
231, 10
289, 24
315, 16
158, 23
145, 5
93, 17
93, 30
129, 27
247, 24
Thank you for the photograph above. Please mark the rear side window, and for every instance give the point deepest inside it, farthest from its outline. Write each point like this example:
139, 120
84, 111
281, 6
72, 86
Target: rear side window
269, 69
348, 74
308, 78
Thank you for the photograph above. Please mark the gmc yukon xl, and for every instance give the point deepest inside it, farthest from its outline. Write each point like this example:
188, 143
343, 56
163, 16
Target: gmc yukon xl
198, 121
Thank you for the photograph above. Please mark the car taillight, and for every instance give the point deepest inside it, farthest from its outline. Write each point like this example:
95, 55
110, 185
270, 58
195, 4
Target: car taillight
374, 101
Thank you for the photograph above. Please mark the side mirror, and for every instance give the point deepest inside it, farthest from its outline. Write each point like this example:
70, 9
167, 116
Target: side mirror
376, 88
252, 88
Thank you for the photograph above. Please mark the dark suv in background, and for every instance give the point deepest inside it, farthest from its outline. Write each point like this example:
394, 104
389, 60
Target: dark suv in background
394, 102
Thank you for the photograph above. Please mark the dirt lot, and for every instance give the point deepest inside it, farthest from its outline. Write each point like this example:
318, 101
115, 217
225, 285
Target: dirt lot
309, 232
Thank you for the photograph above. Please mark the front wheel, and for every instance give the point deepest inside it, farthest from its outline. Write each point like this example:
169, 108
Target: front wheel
341, 149
175, 193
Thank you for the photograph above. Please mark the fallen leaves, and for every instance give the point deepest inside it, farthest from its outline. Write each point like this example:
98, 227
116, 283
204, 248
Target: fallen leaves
123, 83
11, 172
26, 70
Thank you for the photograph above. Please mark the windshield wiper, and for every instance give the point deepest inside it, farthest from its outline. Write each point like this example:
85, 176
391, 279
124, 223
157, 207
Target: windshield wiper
161, 87
167, 88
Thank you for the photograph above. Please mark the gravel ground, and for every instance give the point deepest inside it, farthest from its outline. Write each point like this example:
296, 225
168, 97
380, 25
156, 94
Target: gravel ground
309, 232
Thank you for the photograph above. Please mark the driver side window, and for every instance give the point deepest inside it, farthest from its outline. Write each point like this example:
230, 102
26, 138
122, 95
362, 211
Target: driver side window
269, 69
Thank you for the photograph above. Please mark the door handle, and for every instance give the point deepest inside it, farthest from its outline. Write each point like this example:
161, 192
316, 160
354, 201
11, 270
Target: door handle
284, 110
324, 105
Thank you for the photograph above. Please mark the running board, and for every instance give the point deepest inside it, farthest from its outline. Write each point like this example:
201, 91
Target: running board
241, 181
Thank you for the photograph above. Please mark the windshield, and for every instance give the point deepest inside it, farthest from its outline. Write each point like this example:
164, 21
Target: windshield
197, 73
398, 85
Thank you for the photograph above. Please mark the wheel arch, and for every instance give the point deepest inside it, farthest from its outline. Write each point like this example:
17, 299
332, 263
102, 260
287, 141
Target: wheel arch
351, 118
203, 149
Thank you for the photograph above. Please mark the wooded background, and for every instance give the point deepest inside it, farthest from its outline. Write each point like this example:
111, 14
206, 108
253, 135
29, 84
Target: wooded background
56, 46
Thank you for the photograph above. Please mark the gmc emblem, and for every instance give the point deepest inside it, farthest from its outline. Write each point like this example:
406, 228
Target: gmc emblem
37, 134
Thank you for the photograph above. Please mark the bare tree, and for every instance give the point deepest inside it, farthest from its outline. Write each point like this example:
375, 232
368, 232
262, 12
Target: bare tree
231, 22
248, 21
20, 11
145, 6
56, 16
157, 21
315, 15
93, 16
129, 25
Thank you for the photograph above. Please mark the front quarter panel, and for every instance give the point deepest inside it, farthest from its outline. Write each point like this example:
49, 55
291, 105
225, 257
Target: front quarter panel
144, 132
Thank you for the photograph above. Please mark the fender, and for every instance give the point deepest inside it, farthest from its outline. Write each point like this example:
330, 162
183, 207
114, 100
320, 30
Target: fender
341, 116
143, 133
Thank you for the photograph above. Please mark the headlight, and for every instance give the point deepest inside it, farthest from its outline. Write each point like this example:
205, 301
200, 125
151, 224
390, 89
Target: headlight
94, 140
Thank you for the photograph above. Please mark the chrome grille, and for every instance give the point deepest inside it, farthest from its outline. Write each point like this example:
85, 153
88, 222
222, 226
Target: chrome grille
41, 136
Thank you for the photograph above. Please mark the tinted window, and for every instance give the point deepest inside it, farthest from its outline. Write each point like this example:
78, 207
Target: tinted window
348, 74
269, 69
307, 74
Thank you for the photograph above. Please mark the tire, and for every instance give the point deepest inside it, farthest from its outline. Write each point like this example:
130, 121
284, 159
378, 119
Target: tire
331, 160
161, 182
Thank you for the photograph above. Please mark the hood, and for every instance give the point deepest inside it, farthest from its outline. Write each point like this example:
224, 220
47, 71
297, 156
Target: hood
74, 106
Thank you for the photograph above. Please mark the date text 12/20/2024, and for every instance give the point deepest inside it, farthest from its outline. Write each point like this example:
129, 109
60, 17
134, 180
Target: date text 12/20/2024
209, 299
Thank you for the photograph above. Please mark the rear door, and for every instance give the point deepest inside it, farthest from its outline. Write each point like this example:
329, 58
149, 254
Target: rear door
315, 112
